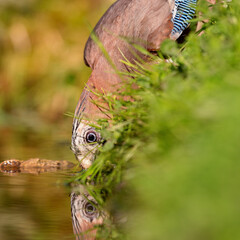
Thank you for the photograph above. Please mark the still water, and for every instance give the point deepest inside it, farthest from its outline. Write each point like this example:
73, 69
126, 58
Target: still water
37, 203
35, 206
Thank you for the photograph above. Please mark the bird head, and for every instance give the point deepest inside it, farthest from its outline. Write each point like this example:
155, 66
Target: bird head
86, 139
85, 143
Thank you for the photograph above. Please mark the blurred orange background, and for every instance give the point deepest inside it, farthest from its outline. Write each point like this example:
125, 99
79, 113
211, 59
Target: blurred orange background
42, 72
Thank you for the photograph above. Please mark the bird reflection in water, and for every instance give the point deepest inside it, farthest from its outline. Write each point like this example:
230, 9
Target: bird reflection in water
86, 215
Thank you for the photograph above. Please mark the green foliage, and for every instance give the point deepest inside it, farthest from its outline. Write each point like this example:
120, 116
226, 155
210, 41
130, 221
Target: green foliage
170, 163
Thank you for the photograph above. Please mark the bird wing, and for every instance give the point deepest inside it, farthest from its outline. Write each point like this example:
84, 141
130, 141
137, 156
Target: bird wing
146, 23
183, 12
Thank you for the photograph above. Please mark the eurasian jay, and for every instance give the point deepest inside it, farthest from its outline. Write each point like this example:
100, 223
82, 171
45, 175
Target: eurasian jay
143, 22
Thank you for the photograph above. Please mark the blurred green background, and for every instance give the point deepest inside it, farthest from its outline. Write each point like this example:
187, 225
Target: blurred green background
42, 73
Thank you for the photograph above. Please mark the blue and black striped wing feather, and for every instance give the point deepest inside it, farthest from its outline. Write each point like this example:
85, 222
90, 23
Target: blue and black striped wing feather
183, 12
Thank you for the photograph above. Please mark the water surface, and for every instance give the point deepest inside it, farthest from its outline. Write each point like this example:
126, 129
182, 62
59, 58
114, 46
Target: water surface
35, 207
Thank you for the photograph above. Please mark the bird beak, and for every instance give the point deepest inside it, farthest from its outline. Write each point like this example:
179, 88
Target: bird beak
86, 161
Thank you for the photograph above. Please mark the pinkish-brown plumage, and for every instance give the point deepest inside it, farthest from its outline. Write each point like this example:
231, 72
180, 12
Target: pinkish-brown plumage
145, 23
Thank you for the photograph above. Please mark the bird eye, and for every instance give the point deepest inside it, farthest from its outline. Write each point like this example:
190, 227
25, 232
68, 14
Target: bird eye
89, 210
91, 137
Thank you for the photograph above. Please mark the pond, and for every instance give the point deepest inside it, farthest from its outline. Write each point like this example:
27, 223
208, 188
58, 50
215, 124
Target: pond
37, 202
35, 206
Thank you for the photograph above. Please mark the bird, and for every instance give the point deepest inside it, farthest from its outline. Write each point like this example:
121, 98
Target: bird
126, 22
